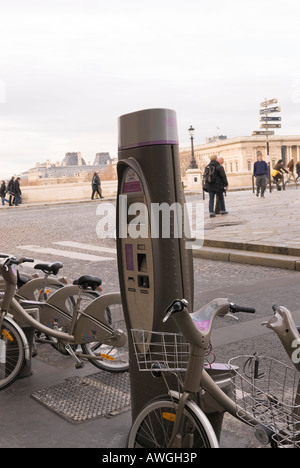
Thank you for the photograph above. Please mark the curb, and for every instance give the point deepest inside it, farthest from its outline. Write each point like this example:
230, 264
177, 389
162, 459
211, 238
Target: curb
288, 262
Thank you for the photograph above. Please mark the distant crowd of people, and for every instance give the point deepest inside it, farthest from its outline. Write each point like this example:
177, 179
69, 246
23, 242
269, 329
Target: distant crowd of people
10, 192
215, 182
261, 173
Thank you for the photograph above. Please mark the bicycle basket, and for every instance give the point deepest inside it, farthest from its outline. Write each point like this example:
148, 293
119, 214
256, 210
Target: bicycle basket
268, 391
166, 352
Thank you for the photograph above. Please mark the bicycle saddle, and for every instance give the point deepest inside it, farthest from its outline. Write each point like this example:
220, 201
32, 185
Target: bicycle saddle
49, 267
87, 281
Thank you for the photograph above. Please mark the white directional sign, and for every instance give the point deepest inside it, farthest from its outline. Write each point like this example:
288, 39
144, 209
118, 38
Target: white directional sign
270, 110
263, 132
269, 119
267, 103
267, 125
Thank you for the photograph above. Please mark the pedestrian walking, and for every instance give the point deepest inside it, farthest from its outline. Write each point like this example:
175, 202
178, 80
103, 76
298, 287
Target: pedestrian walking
298, 170
261, 174
3, 190
18, 192
96, 185
291, 166
217, 207
215, 182
277, 173
11, 191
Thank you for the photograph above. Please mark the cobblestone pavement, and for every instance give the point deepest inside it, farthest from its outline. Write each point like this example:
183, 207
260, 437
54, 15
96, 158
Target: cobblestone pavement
68, 233
272, 220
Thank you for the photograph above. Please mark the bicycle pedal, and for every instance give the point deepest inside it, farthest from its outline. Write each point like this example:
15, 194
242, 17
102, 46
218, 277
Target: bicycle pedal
79, 365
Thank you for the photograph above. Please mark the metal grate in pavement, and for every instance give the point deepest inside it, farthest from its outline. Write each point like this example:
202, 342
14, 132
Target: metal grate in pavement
82, 399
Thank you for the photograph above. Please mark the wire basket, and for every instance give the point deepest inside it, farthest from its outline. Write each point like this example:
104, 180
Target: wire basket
166, 352
268, 391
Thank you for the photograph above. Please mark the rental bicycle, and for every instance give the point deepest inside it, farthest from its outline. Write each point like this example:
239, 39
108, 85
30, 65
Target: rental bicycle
99, 329
33, 287
266, 392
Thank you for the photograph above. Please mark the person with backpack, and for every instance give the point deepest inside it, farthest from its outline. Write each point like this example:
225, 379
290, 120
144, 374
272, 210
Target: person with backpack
215, 183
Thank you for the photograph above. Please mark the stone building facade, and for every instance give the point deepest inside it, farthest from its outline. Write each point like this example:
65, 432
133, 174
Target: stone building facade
240, 154
72, 167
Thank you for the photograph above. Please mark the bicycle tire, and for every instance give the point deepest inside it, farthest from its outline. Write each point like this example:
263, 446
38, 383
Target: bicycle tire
14, 354
115, 359
153, 426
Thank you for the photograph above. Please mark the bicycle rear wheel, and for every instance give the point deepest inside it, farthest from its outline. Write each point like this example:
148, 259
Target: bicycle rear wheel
153, 427
12, 354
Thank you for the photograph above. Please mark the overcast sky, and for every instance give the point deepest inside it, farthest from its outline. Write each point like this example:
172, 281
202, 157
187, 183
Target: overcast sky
70, 68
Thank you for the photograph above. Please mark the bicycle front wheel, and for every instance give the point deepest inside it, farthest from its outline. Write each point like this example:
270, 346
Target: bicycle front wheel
12, 354
153, 427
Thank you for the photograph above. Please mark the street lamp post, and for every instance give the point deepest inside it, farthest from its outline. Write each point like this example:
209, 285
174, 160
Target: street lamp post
193, 164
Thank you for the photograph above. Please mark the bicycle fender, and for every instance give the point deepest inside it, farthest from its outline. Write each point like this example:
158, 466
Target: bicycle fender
202, 418
22, 334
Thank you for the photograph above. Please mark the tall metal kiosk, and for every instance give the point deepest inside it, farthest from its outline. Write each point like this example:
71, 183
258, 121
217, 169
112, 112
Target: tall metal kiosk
154, 265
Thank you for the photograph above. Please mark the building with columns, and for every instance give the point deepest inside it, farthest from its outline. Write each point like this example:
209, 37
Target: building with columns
240, 155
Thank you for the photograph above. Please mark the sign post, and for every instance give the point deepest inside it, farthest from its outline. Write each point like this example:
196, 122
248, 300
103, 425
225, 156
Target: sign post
264, 117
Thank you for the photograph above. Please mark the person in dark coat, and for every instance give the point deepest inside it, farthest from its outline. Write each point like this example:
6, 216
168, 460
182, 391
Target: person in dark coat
96, 185
298, 170
291, 166
215, 183
11, 191
17, 191
261, 174
3, 191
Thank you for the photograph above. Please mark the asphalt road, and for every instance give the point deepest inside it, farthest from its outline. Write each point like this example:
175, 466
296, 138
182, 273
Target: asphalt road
69, 233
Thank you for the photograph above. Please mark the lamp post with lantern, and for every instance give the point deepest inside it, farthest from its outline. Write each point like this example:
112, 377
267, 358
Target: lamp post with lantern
193, 163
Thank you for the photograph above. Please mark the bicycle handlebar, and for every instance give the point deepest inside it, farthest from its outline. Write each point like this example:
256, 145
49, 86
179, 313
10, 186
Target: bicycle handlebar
16, 261
234, 308
178, 306
175, 306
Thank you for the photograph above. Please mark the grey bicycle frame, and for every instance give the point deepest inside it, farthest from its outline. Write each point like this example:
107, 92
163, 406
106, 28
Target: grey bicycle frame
197, 377
91, 319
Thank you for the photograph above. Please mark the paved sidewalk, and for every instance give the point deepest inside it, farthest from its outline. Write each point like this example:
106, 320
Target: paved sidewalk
261, 231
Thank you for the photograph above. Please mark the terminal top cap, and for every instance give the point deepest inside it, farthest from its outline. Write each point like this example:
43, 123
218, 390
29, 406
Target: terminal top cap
148, 127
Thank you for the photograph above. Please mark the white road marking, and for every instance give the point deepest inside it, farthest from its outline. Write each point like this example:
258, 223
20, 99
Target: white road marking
64, 253
78, 245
